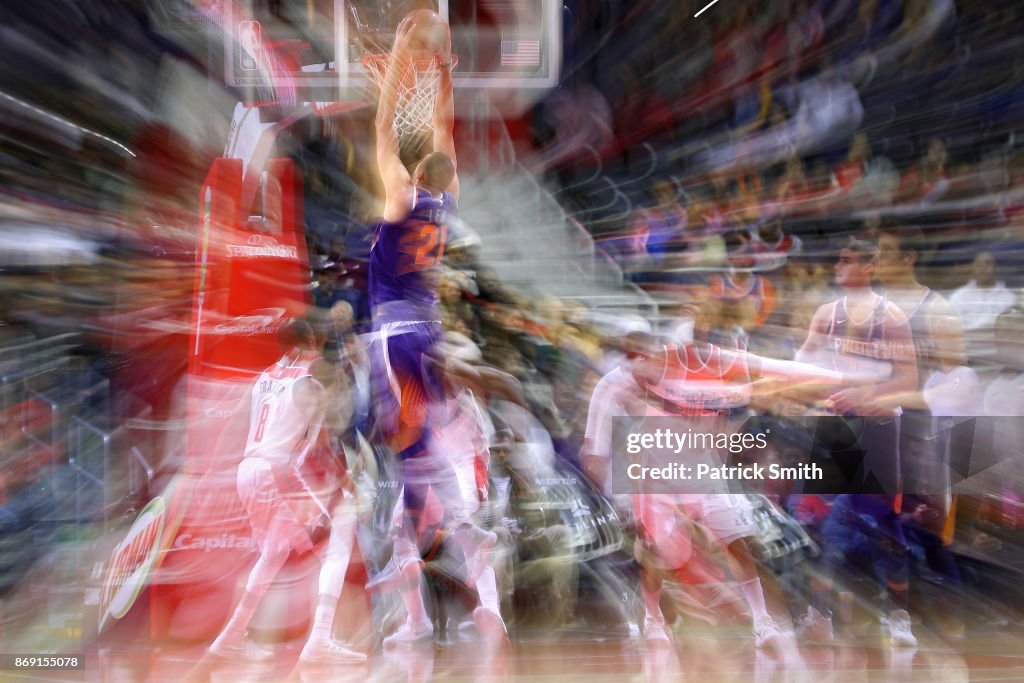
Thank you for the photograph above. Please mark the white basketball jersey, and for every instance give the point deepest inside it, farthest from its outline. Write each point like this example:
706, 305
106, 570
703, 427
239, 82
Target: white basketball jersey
712, 385
278, 431
712, 391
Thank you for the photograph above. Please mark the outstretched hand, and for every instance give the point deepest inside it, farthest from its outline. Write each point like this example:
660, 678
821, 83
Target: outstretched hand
413, 36
403, 35
483, 380
858, 401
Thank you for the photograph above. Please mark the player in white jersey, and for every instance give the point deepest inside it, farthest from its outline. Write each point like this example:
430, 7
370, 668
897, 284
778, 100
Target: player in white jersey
289, 400
712, 386
462, 433
865, 330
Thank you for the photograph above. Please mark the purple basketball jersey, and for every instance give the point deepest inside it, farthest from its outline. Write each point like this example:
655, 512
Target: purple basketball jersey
405, 259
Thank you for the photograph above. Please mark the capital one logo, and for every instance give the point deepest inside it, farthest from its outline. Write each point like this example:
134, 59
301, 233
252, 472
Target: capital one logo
189, 541
262, 321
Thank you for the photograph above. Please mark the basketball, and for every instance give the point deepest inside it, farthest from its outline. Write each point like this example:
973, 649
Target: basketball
430, 33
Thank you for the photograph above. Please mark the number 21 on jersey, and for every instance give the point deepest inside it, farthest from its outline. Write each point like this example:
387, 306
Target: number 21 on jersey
426, 246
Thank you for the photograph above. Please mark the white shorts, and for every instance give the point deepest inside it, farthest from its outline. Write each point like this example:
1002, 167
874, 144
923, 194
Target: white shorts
727, 517
664, 529
279, 505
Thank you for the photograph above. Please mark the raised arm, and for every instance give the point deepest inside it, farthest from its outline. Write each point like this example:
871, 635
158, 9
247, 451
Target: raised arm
444, 117
393, 173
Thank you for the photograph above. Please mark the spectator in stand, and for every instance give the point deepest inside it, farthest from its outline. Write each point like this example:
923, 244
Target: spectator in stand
751, 294
770, 245
346, 351
980, 302
456, 311
793, 185
851, 170
660, 226
746, 205
927, 181
351, 278
1008, 245
863, 178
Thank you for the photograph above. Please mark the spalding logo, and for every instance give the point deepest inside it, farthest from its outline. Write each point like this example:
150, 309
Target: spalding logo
132, 561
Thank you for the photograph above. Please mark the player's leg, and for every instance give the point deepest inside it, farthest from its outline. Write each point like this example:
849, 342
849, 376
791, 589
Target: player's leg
403, 412
929, 512
404, 571
321, 646
663, 544
273, 524
478, 547
729, 518
655, 630
880, 441
464, 425
487, 615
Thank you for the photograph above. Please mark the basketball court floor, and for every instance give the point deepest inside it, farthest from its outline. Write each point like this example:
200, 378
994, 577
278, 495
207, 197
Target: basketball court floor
699, 654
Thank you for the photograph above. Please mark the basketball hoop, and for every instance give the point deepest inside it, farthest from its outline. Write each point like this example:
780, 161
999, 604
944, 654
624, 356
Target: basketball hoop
417, 90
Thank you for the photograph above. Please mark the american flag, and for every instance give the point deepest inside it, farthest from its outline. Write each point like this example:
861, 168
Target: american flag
520, 52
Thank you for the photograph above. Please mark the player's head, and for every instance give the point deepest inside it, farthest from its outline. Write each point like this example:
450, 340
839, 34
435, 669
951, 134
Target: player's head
898, 249
983, 269
664, 192
296, 334
737, 250
704, 312
436, 171
645, 357
341, 316
856, 265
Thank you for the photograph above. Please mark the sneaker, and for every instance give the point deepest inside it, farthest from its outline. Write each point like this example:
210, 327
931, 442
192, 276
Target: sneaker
899, 627
477, 548
814, 627
394, 572
766, 632
656, 631
244, 650
490, 624
409, 633
330, 652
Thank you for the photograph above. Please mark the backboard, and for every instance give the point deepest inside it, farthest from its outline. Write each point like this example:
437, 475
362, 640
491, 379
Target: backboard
311, 50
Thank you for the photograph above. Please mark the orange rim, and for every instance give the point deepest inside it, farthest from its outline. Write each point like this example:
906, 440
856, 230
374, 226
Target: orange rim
376, 64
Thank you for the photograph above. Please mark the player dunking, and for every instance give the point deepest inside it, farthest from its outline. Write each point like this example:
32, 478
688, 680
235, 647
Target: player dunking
863, 331
409, 372
286, 416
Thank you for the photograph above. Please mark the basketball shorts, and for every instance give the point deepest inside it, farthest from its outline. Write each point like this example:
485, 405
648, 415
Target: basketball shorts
726, 517
405, 382
281, 508
663, 529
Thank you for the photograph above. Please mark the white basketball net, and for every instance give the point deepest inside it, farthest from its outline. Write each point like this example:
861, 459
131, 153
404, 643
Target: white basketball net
417, 92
